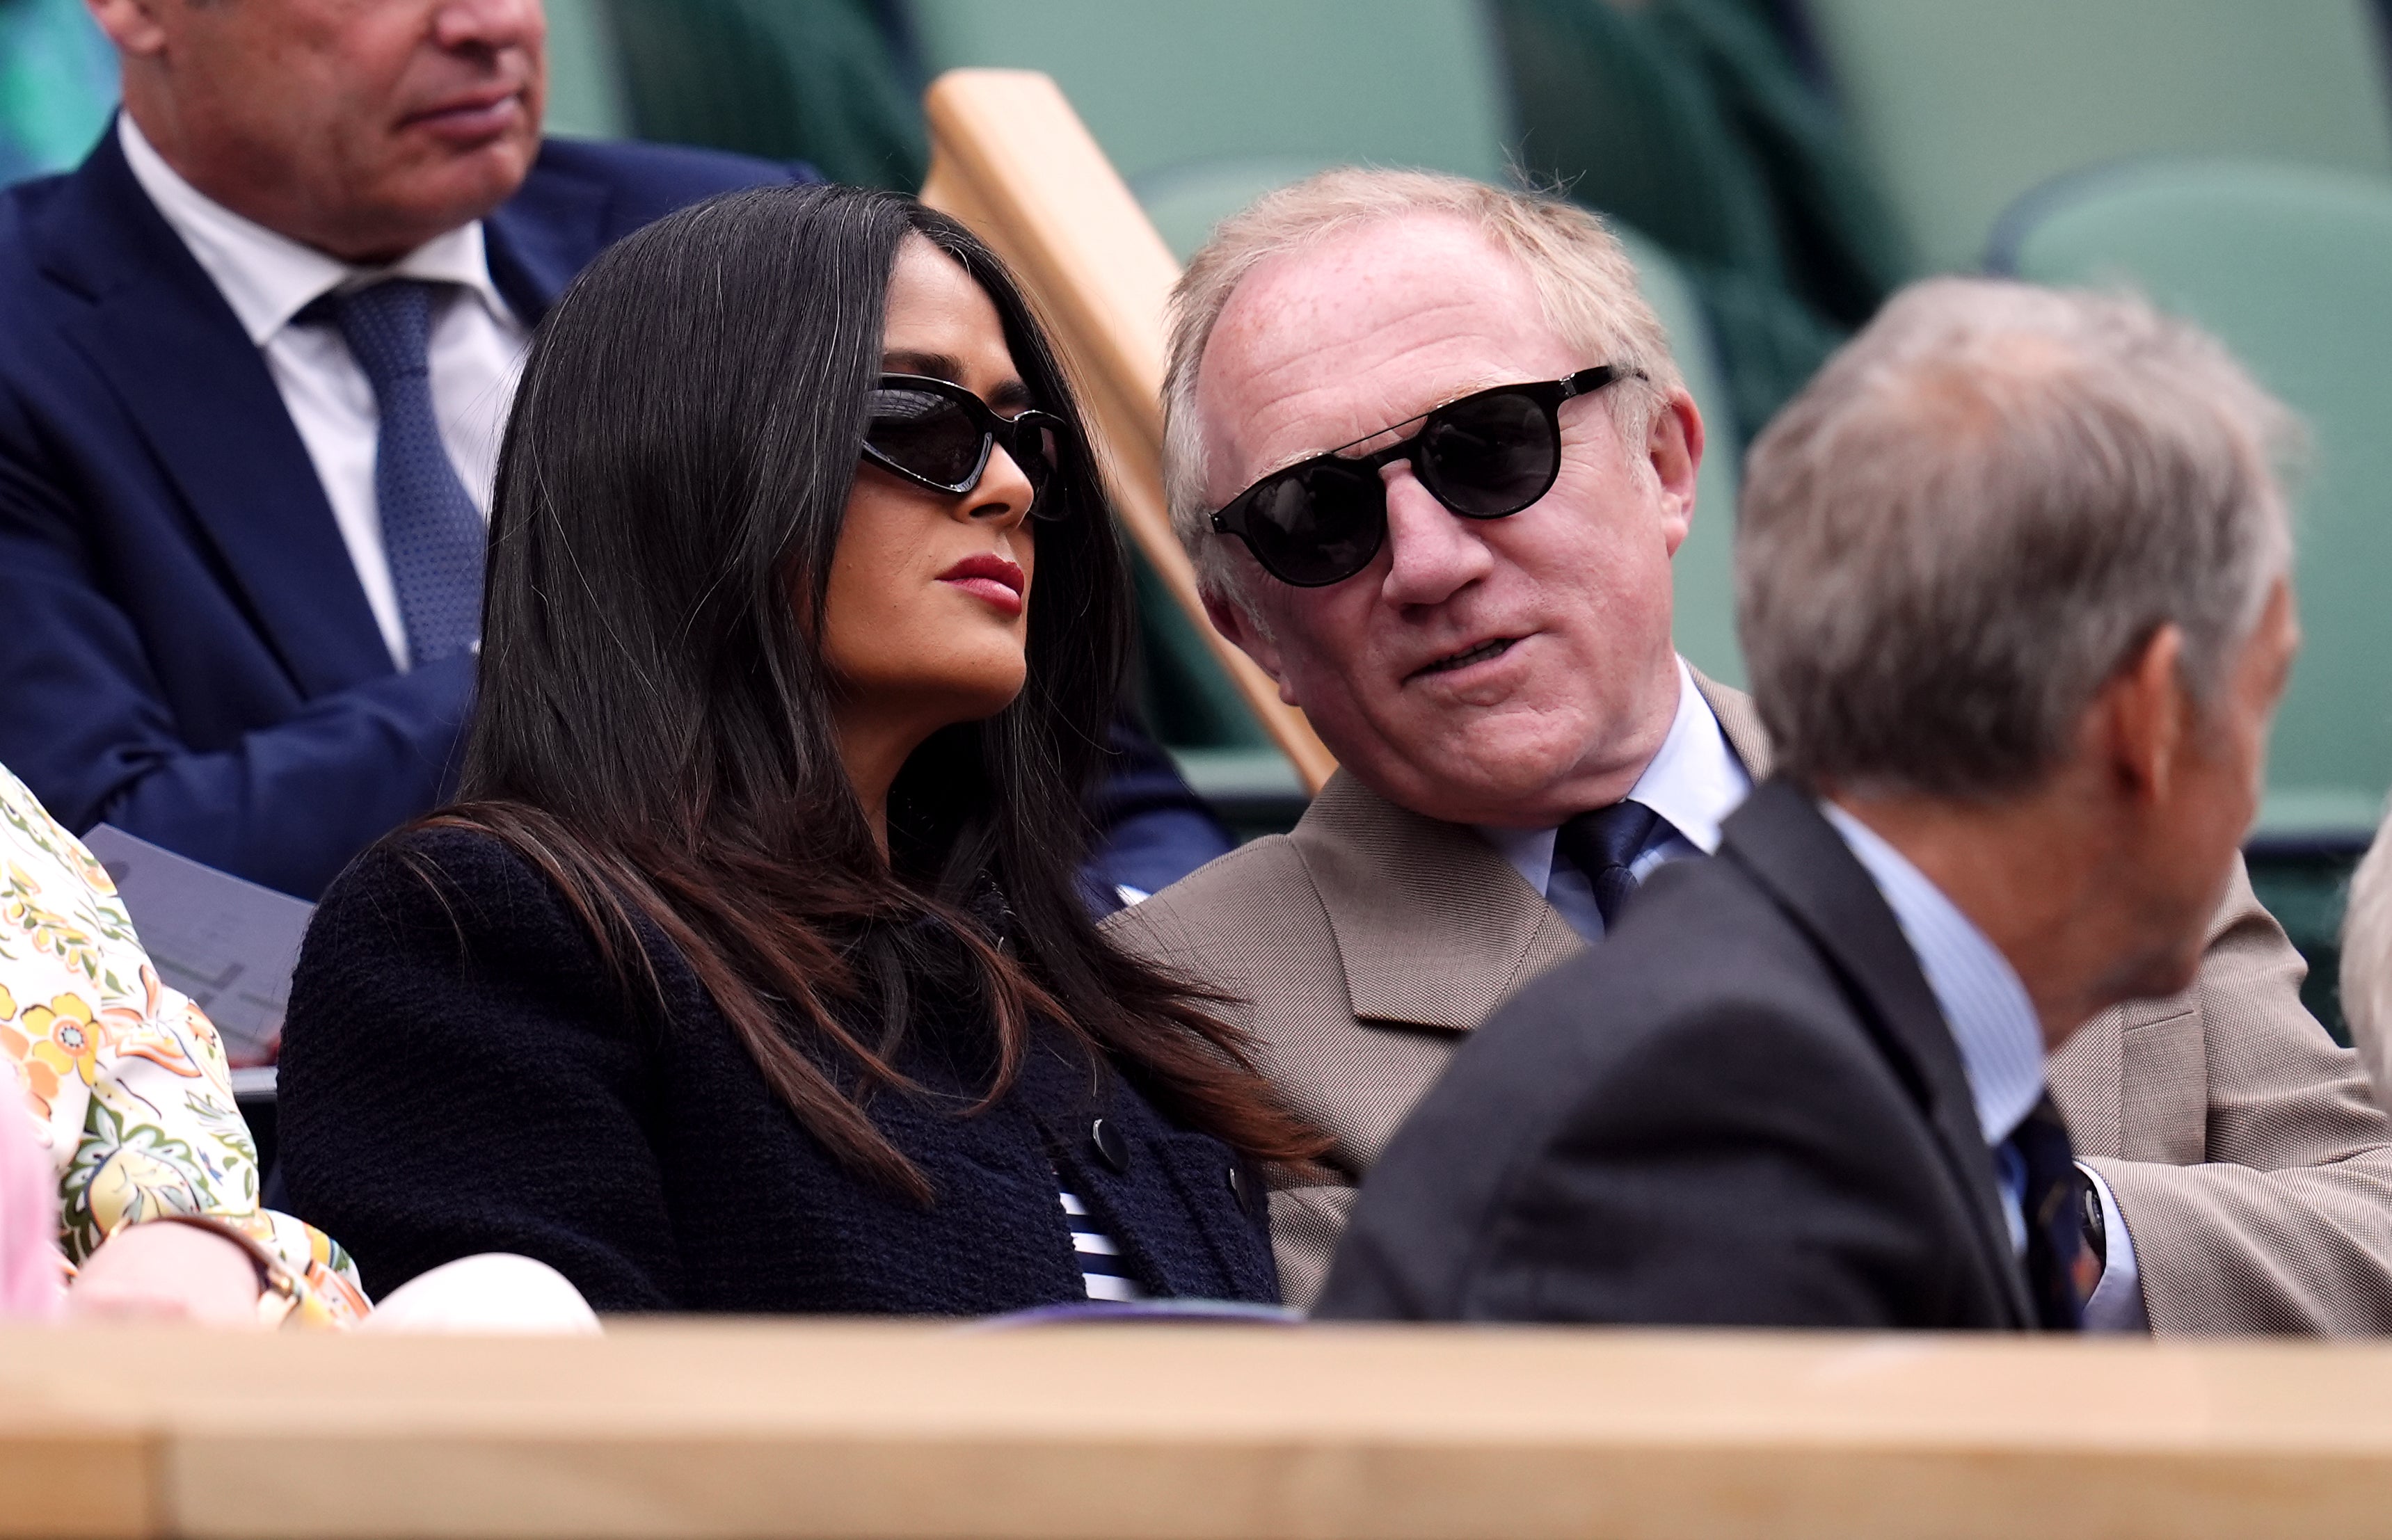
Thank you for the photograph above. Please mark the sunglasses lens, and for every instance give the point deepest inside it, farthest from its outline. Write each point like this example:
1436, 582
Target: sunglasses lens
1036, 447
928, 434
1317, 523
1491, 456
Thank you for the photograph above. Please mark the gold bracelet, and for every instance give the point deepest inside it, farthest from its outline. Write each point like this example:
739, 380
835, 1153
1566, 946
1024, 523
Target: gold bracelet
279, 1293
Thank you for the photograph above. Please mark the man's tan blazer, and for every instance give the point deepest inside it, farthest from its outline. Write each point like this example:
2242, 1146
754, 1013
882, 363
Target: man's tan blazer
2252, 1167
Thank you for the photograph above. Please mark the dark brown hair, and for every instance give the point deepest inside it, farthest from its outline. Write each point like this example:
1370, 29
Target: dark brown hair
654, 729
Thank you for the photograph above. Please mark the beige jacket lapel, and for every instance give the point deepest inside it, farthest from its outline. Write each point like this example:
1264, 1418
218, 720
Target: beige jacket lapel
1433, 927
1740, 720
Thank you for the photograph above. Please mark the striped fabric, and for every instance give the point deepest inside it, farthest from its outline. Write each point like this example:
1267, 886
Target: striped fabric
1100, 1262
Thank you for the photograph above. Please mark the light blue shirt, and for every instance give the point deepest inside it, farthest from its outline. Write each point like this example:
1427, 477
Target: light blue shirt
2000, 1038
1694, 781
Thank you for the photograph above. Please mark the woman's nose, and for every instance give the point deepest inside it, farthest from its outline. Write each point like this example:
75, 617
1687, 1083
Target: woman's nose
1004, 494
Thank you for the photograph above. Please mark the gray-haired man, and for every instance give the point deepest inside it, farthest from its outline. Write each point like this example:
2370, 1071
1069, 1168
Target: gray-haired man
1521, 745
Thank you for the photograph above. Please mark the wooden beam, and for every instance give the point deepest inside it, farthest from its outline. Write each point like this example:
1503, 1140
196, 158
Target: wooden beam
866, 1431
1009, 158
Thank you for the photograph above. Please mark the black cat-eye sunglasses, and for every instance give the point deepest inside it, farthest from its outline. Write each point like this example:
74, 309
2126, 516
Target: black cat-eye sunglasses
936, 433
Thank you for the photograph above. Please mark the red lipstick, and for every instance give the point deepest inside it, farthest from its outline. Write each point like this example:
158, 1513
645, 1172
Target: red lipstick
990, 577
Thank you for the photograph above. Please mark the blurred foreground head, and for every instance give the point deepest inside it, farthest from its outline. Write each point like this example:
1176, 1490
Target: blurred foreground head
1506, 671
363, 128
2022, 555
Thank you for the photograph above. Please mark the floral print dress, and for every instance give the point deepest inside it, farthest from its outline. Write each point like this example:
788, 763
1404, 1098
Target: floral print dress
125, 1077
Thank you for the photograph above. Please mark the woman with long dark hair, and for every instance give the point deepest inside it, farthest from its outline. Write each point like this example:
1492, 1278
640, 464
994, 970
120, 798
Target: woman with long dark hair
751, 973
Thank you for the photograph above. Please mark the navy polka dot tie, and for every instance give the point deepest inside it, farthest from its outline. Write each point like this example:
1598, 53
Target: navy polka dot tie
431, 531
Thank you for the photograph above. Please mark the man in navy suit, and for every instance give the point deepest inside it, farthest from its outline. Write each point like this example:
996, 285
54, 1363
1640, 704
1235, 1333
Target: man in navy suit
255, 355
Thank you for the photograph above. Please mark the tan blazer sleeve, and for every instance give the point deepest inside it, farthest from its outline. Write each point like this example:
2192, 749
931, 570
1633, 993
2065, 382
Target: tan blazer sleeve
2250, 1163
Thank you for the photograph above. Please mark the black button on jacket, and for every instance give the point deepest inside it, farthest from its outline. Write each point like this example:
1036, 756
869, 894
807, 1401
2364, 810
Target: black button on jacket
459, 1076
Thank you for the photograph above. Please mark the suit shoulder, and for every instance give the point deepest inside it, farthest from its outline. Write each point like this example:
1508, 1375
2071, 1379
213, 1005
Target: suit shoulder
454, 877
661, 177
22, 202
1259, 889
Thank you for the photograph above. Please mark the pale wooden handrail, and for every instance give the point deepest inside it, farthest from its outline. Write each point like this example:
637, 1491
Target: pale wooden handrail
912, 1432
1009, 158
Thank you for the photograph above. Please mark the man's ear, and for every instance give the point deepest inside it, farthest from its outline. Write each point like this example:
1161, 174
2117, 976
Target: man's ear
132, 25
1673, 447
2142, 719
1230, 617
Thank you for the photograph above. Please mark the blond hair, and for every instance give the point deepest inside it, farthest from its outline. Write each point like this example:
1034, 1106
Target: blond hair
1584, 281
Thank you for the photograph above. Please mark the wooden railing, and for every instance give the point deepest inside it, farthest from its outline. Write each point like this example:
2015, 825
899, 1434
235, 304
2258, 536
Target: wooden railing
911, 1433
1009, 158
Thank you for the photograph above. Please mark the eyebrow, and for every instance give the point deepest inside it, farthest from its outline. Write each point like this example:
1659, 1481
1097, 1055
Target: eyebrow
1010, 393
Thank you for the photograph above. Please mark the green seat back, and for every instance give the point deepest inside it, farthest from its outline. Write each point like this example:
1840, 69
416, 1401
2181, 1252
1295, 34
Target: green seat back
2292, 268
1704, 569
1204, 108
57, 85
789, 80
1965, 105
1164, 83
585, 79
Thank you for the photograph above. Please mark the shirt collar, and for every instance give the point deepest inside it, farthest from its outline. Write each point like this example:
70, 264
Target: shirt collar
1992, 1020
267, 278
1694, 780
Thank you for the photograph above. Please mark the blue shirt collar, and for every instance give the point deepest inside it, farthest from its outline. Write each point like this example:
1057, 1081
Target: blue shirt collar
1992, 1019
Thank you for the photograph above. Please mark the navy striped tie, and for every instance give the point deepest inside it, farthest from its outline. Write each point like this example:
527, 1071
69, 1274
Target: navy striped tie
431, 531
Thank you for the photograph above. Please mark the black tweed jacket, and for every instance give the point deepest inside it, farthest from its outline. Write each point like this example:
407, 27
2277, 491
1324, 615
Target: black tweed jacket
458, 1076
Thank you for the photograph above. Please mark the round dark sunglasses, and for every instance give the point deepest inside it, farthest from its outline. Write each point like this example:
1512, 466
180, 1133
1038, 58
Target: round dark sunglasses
1487, 456
936, 433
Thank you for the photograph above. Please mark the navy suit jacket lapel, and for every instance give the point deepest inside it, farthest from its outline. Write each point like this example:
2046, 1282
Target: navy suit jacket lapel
1796, 854
544, 235
199, 392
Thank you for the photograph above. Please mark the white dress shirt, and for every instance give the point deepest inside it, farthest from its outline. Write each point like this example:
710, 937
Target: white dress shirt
1694, 780
477, 345
2000, 1038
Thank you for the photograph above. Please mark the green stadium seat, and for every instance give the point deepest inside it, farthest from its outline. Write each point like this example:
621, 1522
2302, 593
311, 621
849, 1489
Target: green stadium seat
57, 85
2292, 267
1966, 104
586, 96
1704, 570
789, 80
1201, 107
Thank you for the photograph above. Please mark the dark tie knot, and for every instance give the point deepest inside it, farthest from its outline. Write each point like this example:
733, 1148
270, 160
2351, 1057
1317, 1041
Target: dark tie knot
1605, 844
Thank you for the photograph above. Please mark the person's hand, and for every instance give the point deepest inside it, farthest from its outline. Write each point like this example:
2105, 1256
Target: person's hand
167, 1272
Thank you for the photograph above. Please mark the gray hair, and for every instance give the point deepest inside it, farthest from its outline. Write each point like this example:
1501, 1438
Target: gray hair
1584, 281
1981, 510
2367, 962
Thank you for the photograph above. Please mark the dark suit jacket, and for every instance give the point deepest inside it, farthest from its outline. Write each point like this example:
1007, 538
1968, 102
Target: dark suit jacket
187, 649
1743, 1109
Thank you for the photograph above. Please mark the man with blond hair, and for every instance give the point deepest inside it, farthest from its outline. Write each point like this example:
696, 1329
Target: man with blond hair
1426, 445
